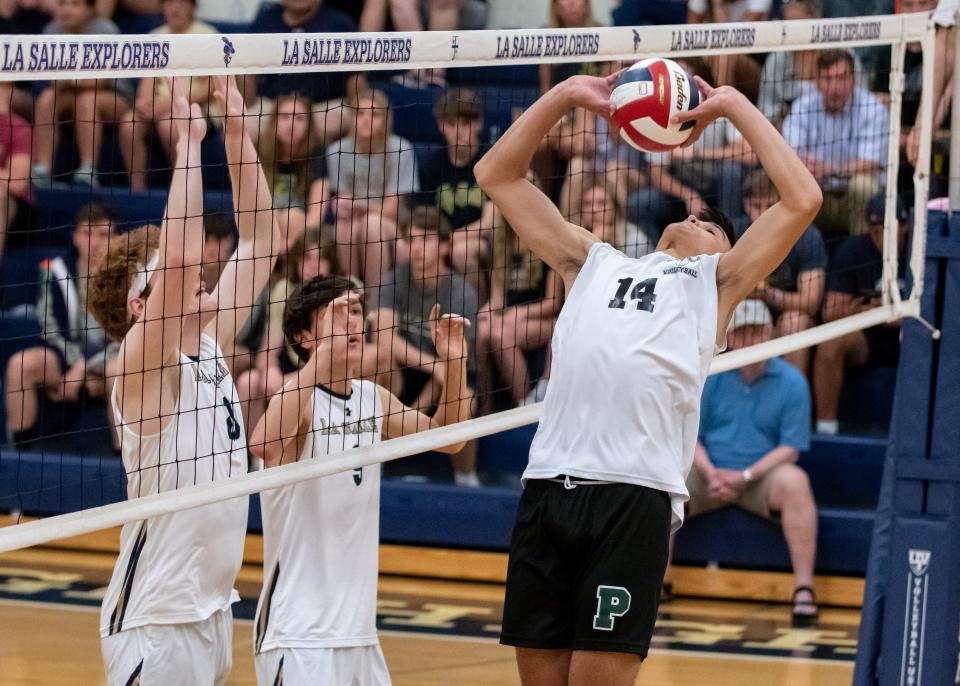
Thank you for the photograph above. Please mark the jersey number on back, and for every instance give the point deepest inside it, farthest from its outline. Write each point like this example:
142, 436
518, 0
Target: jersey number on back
642, 293
233, 426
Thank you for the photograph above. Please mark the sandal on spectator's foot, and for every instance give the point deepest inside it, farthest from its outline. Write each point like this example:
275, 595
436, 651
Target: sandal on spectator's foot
805, 612
666, 592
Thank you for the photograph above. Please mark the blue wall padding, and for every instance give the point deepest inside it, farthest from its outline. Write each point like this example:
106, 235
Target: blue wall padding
449, 516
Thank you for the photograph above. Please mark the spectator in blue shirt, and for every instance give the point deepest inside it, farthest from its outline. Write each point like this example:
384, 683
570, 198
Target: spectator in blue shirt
840, 132
754, 423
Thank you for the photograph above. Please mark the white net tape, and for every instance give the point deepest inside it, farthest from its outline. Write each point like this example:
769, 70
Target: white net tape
63, 57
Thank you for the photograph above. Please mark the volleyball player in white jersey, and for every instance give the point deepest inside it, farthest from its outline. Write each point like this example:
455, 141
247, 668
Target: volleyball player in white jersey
631, 350
166, 615
316, 620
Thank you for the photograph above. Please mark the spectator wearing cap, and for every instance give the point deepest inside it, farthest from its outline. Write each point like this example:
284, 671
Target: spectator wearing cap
447, 180
794, 291
855, 284
754, 423
840, 132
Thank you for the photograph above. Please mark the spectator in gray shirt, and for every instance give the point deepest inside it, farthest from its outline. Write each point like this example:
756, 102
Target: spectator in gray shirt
369, 170
402, 305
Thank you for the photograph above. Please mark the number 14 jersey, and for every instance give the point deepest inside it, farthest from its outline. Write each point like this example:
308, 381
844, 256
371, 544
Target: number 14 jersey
631, 351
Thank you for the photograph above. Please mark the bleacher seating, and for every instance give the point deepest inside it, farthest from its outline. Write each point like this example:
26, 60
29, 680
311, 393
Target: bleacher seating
845, 473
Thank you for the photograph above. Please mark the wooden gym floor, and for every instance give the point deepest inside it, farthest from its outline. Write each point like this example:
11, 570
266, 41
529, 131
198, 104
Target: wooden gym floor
439, 632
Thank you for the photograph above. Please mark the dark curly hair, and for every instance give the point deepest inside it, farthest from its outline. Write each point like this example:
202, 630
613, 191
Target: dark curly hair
303, 303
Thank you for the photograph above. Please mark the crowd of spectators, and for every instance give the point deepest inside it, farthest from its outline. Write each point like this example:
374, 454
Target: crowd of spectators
353, 196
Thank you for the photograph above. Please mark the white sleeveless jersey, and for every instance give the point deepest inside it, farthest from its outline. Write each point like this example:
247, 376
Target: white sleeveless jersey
321, 536
631, 351
179, 568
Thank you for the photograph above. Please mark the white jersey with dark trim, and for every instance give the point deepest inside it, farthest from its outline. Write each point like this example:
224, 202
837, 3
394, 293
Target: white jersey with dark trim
321, 536
180, 567
631, 351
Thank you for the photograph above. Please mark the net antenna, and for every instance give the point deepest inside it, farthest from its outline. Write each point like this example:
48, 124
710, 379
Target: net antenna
200, 55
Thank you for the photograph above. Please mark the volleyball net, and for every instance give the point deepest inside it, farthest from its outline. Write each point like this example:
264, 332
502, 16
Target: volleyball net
368, 143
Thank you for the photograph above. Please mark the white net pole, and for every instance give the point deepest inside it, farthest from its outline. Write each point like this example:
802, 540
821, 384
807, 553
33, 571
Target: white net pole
954, 181
921, 175
890, 288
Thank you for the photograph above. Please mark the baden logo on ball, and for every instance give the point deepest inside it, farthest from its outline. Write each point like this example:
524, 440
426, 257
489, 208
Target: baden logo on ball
647, 95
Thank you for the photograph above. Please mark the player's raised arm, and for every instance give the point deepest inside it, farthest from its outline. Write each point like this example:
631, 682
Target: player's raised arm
170, 277
502, 174
456, 398
247, 271
768, 240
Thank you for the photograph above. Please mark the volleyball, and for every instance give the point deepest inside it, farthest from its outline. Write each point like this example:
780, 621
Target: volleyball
647, 95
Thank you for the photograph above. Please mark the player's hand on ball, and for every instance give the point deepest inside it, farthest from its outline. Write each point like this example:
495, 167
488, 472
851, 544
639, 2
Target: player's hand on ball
593, 92
714, 103
447, 334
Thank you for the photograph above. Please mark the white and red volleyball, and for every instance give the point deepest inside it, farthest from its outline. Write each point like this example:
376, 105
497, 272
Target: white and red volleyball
647, 95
